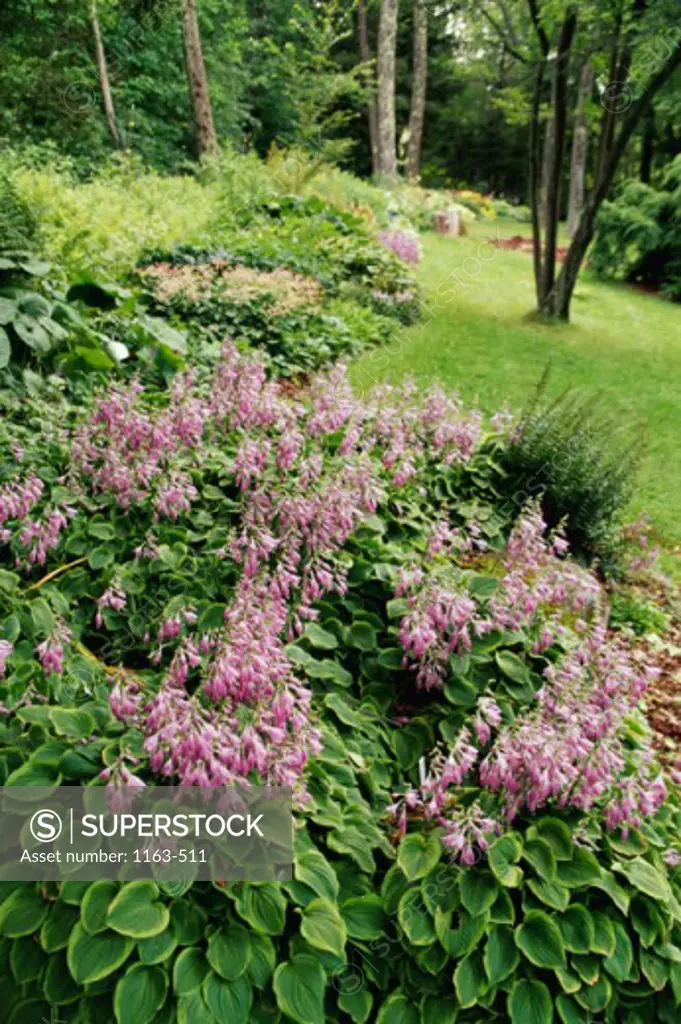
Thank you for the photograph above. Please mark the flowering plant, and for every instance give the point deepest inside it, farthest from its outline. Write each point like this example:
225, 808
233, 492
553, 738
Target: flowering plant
221, 583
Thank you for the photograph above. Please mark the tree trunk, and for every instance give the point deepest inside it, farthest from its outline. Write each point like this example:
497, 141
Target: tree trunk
365, 57
387, 41
547, 157
580, 142
559, 104
418, 89
204, 128
587, 225
648, 150
104, 83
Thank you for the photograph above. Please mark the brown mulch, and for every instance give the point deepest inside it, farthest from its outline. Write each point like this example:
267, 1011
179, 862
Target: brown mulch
662, 704
525, 245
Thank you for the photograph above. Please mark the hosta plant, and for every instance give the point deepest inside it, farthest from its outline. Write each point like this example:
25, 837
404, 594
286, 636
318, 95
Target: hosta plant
216, 583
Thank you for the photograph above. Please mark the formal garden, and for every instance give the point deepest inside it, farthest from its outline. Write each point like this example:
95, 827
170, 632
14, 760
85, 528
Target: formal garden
332, 463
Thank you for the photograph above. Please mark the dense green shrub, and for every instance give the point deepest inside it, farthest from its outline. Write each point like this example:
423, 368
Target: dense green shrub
423, 651
582, 461
638, 235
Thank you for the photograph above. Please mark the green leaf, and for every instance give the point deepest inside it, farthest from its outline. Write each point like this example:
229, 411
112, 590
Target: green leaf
647, 879
299, 987
501, 954
27, 960
264, 907
577, 928
503, 855
513, 667
568, 1011
364, 917
189, 971
478, 890
22, 913
596, 997
313, 869
262, 961
137, 911
158, 948
192, 1009
95, 906
414, 917
530, 1002
72, 722
398, 1010
558, 835
361, 635
320, 638
228, 1000
550, 893
604, 934
540, 855
212, 617
42, 617
461, 692
582, 870
470, 980
619, 896
102, 556
323, 926
140, 994
229, 951
5, 349
57, 926
58, 985
588, 967
619, 964
93, 957
539, 939
418, 854
357, 1004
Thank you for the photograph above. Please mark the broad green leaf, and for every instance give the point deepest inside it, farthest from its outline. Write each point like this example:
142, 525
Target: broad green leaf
539, 939
540, 855
582, 870
620, 962
647, 879
229, 951
503, 856
22, 913
418, 854
57, 926
361, 635
513, 667
320, 638
530, 1002
228, 1000
137, 911
364, 917
604, 934
398, 1010
577, 928
95, 906
415, 919
299, 987
140, 993
189, 971
312, 868
93, 957
263, 907
323, 926
501, 954
470, 980
357, 1004
550, 893
478, 889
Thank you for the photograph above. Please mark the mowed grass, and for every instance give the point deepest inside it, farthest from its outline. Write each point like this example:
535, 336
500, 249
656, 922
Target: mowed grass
478, 339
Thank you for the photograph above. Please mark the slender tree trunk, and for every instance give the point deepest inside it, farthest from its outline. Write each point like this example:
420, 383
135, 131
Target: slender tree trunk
534, 174
418, 89
547, 157
365, 57
387, 41
587, 225
648, 150
559, 104
204, 128
104, 83
580, 143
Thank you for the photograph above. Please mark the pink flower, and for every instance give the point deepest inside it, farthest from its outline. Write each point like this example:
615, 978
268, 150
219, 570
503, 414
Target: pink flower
6, 649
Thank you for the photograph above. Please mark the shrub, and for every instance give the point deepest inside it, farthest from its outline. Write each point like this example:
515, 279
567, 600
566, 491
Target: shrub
404, 244
480, 831
628, 611
582, 461
638, 235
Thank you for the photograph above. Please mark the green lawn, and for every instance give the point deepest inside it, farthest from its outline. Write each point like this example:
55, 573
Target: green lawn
620, 342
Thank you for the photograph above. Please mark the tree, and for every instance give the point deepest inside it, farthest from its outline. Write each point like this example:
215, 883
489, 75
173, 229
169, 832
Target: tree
366, 58
204, 128
580, 143
385, 100
620, 121
103, 74
418, 89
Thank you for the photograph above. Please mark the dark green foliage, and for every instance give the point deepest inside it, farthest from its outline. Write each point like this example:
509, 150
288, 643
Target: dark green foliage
18, 222
628, 611
638, 235
582, 461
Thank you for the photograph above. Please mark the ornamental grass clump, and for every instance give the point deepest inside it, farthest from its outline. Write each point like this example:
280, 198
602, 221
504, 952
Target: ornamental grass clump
252, 586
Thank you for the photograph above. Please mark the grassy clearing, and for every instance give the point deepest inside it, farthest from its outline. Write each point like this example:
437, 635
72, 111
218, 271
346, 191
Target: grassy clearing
622, 343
